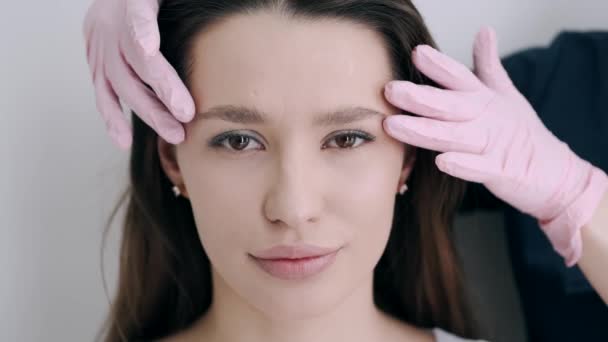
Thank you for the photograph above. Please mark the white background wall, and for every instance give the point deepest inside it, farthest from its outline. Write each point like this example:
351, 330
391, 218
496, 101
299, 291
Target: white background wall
60, 175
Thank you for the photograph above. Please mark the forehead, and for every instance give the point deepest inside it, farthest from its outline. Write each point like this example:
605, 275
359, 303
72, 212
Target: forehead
290, 66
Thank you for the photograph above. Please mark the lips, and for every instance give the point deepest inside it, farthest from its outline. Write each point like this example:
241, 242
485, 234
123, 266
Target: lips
294, 252
295, 262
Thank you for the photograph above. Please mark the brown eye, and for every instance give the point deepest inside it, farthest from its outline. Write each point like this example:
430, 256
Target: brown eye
346, 141
238, 142
349, 140
235, 142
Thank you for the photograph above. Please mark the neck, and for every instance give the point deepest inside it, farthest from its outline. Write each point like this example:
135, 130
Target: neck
355, 318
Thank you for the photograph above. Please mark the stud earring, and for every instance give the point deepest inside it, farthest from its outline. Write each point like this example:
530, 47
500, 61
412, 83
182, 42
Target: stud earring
403, 189
176, 191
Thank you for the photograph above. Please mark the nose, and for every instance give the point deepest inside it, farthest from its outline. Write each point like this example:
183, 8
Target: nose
295, 197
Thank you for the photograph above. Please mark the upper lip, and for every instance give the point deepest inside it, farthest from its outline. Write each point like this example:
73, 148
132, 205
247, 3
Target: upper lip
294, 252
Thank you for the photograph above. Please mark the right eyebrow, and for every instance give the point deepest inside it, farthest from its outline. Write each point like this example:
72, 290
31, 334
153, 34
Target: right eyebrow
245, 115
236, 114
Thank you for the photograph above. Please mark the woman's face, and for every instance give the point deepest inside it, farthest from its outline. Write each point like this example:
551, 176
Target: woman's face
288, 148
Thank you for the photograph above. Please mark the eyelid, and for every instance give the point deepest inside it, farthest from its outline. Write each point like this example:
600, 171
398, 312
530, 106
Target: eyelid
357, 132
361, 134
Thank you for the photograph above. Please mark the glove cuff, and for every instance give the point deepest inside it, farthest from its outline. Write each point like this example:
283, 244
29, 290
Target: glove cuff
564, 231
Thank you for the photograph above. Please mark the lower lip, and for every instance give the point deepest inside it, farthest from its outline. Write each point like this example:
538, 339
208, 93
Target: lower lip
296, 269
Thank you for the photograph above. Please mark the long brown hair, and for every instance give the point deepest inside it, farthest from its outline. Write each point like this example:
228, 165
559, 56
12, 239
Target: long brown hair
164, 280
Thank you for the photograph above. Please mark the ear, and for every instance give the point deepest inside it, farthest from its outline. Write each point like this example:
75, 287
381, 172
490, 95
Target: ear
168, 161
408, 164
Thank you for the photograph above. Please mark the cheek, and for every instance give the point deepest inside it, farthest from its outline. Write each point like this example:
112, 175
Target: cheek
370, 192
372, 177
221, 205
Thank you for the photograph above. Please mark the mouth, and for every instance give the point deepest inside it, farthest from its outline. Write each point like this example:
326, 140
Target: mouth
295, 262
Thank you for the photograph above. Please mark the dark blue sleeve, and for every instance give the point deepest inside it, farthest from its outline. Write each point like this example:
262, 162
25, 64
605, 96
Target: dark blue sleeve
567, 84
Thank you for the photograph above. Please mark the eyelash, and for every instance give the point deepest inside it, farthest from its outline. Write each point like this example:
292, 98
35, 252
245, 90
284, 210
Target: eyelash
220, 140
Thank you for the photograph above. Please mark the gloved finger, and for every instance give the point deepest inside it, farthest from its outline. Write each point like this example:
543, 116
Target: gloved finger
144, 102
87, 34
444, 70
164, 80
141, 16
89, 54
109, 107
470, 167
87, 24
94, 55
488, 66
442, 136
437, 103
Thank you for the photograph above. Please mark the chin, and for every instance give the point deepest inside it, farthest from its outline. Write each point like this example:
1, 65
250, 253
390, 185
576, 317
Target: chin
300, 301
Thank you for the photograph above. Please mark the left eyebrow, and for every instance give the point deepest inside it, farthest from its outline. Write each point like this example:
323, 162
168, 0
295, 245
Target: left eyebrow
245, 115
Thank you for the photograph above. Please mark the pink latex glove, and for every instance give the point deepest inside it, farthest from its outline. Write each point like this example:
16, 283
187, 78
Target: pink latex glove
122, 47
490, 134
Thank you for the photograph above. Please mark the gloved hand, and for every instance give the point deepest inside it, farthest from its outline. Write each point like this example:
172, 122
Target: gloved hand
490, 134
122, 47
